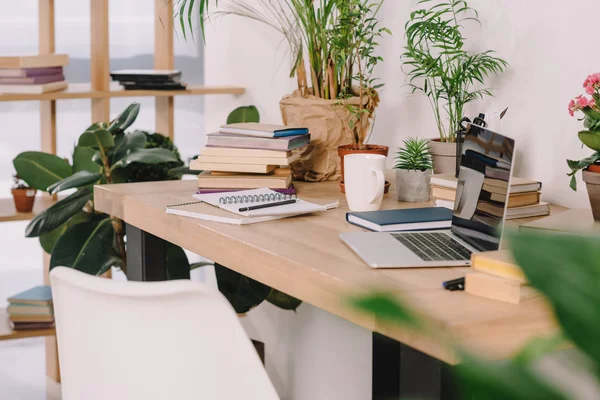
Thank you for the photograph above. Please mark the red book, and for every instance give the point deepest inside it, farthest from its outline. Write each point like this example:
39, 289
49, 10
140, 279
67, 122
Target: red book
34, 80
29, 72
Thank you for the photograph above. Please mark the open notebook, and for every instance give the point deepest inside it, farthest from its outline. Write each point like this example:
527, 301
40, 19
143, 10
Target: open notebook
224, 207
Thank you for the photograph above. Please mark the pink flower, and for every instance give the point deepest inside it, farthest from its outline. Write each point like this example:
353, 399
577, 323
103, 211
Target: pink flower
584, 102
572, 108
592, 83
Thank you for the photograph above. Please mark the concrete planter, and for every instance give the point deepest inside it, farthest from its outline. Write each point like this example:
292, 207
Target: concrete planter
592, 181
444, 156
413, 186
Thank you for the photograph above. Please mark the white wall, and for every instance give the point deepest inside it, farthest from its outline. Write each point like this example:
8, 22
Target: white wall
540, 39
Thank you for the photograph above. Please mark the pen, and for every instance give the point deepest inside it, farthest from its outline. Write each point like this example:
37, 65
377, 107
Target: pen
455, 284
279, 203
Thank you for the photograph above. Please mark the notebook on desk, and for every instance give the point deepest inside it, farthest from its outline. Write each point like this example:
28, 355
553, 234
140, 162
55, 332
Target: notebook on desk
225, 208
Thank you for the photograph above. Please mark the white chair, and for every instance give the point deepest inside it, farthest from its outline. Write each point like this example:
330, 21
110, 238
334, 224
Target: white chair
151, 340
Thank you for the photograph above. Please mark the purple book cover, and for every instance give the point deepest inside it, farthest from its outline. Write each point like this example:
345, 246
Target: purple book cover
289, 191
34, 80
29, 72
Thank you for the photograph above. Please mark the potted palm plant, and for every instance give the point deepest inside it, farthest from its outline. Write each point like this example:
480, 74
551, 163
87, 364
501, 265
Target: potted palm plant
413, 171
332, 45
590, 137
23, 195
439, 67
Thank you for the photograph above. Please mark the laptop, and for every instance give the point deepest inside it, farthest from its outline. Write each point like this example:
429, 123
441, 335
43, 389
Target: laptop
483, 184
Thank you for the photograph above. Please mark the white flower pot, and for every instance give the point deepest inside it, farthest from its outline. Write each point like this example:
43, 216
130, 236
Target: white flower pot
444, 157
413, 186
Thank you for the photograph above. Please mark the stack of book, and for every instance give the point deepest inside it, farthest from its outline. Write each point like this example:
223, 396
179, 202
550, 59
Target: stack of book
524, 195
149, 79
33, 74
249, 156
32, 309
495, 276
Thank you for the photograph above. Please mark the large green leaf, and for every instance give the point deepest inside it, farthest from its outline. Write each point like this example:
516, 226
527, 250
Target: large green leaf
178, 265
86, 247
77, 180
244, 114
48, 240
283, 301
127, 141
56, 215
242, 292
146, 156
96, 138
566, 269
590, 139
387, 308
40, 170
125, 119
83, 160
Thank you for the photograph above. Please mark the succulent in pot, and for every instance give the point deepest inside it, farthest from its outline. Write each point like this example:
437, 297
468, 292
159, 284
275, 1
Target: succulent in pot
413, 171
23, 195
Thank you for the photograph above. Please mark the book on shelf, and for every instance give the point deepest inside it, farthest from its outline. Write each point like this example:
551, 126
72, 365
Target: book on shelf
31, 318
498, 263
262, 130
29, 326
34, 80
244, 153
196, 165
260, 143
247, 160
33, 89
31, 309
409, 219
134, 75
495, 288
36, 61
29, 72
37, 296
281, 178
517, 185
27, 309
573, 221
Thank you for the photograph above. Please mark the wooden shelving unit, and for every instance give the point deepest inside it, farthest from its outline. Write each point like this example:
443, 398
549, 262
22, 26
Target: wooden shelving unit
100, 90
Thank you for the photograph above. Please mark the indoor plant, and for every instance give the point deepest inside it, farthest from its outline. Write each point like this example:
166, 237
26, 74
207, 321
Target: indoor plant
590, 137
438, 66
337, 38
413, 171
23, 195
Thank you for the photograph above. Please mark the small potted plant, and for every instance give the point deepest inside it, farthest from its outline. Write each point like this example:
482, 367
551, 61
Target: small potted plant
590, 137
23, 195
438, 66
413, 171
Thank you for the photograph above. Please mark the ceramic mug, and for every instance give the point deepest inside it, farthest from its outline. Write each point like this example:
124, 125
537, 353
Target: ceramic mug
364, 181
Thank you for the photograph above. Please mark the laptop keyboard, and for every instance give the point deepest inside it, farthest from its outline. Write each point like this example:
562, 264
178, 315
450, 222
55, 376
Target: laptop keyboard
433, 246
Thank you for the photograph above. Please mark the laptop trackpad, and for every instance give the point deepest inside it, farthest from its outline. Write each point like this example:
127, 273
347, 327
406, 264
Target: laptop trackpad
380, 250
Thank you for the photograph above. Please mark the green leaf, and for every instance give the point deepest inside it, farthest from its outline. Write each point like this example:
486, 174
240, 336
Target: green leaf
125, 119
590, 139
386, 308
146, 156
180, 171
242, 292
178, 266
78, 179
56, 215
40, 170
244, 114
200, 265
566, 269
283, 301
539, 347
86, 247
83, 160
48, 240
127, 141
96, 138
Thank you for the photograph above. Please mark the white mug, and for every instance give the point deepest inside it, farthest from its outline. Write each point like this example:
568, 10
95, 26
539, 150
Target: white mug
364, 181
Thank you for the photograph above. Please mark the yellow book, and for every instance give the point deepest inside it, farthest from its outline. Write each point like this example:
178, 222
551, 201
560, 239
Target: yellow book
498, 263
494, 288
37, 61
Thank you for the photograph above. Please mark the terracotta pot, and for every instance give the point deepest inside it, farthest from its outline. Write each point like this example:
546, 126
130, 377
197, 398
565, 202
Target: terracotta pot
592, 181
594, 168
444, 156
24, 199
413, 186
366, 149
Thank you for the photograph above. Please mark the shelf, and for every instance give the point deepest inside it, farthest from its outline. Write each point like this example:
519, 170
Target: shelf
7, 333
84, 91
8, 213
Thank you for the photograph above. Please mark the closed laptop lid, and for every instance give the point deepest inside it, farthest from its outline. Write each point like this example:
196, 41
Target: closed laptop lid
483, 182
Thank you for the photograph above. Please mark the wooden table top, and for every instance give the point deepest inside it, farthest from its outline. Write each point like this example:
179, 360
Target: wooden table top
304, 257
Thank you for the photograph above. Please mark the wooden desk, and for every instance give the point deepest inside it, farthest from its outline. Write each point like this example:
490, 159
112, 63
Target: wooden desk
305, 258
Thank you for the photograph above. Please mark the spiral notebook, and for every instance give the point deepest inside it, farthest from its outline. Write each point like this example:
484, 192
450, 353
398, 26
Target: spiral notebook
221, 207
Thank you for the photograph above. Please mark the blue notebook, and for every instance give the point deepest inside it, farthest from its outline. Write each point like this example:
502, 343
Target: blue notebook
39, 296
409, 219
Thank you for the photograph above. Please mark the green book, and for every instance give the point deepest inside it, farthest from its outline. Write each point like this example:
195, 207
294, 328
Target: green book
39, 296
28, 309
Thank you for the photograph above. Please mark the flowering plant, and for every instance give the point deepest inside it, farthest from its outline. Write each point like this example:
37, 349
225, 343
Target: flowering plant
590, 107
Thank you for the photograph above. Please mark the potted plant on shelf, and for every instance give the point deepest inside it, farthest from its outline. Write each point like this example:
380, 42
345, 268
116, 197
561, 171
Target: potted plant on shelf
439, 67
23, 195
590, 137
336, 96
413, 171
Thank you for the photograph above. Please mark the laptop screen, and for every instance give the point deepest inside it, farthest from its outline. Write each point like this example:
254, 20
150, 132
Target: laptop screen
483, 188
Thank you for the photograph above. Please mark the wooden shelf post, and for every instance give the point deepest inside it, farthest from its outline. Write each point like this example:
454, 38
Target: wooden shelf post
164, 59
100, 59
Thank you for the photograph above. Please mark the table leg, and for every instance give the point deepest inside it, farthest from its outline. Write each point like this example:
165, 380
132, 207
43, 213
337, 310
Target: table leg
146, 256
400, 371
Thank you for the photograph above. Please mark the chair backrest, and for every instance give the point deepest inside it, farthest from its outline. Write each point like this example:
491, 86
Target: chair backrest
151, 340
